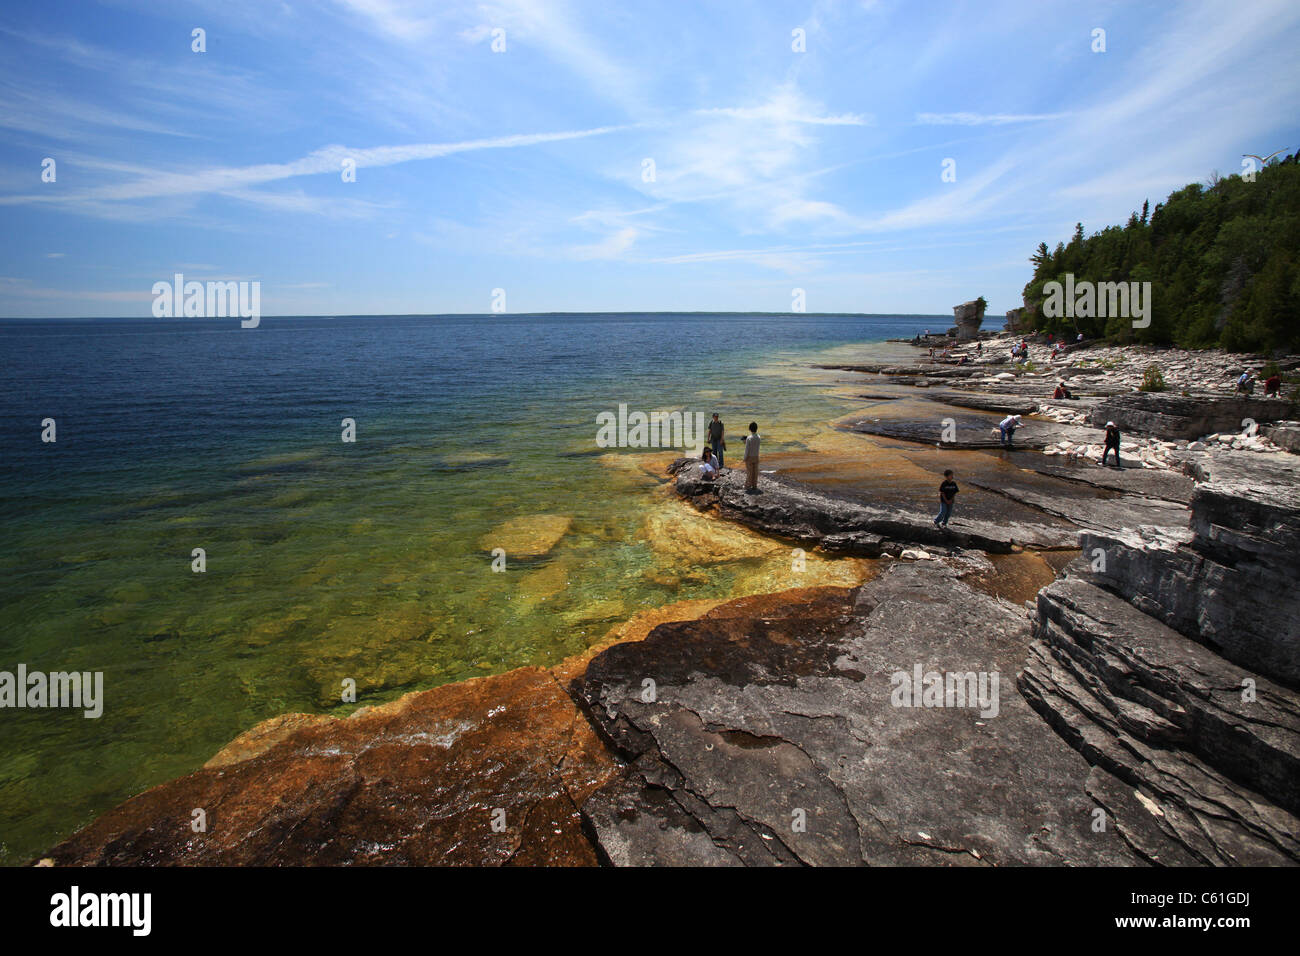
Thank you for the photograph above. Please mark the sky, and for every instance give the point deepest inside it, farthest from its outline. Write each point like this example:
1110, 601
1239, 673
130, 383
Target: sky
882, 157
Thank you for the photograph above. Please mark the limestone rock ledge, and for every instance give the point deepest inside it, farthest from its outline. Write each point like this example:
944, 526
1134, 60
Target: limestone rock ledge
1171, 661
1219, 775
1231, 581
788, 510
774, 739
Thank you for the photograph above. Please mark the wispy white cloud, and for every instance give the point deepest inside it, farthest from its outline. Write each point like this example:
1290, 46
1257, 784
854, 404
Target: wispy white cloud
612, 247
234, 180
984, 119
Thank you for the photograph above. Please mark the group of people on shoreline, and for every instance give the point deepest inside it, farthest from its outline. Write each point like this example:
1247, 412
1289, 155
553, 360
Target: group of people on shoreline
713, 454
715, 448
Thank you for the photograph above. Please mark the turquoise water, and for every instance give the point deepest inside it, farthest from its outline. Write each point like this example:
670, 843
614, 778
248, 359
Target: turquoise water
328, 560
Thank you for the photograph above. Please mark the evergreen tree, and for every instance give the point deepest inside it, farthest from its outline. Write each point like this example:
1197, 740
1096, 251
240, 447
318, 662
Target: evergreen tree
1223, 263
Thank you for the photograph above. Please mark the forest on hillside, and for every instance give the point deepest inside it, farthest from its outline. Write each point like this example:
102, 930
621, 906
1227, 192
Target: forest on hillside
1223, 260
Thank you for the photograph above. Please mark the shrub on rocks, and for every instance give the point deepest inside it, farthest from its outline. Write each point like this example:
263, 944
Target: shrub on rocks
1153, 380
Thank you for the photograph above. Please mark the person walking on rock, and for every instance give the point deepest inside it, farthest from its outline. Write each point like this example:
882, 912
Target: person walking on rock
751, 458
947, 497
1112, 444
716, 432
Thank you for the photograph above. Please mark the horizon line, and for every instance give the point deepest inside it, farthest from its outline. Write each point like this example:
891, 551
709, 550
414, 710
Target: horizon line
485, 315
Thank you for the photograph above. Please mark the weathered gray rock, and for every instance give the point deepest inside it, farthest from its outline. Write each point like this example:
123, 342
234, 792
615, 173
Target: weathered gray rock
932, 370
1007, 404
1218, 769
787, 509
1229, 582
756, 724
972, 431
969, 316
1181, 416
1283, 435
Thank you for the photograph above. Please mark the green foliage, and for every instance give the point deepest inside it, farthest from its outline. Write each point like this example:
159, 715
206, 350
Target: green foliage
1223, 261
1153, 380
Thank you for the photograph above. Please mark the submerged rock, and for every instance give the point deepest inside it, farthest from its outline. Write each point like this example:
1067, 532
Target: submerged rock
527, 537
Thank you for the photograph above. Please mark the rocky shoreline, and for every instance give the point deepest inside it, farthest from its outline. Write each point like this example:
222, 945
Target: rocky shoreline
1143, 709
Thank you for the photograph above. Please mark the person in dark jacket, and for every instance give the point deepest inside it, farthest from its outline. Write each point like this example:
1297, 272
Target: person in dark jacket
1112, 444
947, 497
717, 438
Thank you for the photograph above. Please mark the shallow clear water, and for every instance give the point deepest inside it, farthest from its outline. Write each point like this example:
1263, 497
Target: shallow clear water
329, 560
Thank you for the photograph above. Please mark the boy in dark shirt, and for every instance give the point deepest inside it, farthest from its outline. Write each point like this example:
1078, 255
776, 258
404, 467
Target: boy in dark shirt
947, 496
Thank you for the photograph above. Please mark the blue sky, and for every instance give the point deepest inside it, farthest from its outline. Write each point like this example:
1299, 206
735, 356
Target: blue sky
525, 169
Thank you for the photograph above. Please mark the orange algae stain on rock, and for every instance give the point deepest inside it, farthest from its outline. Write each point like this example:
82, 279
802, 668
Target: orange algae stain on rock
489, 771
485, 772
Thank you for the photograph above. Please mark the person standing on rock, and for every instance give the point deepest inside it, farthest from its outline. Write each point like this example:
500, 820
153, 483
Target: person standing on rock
1008, 428
1272, 385
716, 432
947, 497
751, 458
1112, 444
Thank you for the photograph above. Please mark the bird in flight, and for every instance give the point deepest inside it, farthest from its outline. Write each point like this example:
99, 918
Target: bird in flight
1263, 160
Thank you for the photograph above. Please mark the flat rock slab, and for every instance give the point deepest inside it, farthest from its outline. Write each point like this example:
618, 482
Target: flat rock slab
925, 370
787, 509
414, 782
782, 738
1084, 505
1006, 404
971, 431
1167, 485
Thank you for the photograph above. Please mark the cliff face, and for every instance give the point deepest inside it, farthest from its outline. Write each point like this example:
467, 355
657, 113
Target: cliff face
1172, 663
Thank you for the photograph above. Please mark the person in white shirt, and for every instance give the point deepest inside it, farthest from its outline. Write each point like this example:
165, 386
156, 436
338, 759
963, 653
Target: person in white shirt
1008, 428
751, 458
708, 465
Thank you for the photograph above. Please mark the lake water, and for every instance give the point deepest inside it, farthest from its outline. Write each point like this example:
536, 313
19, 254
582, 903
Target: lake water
328, 560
